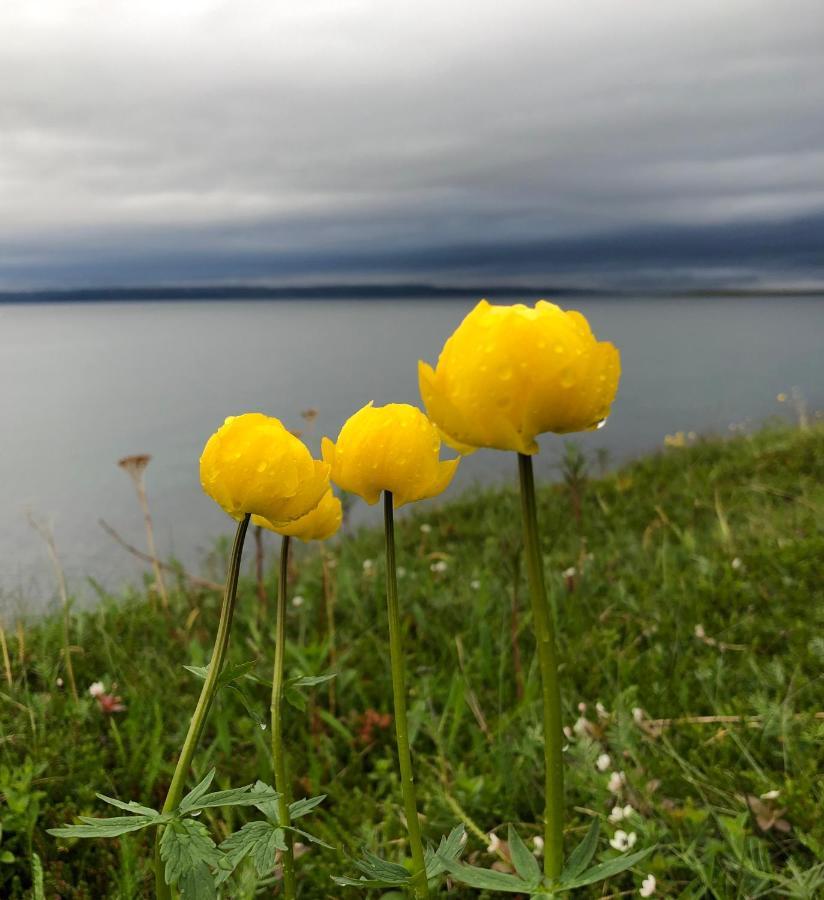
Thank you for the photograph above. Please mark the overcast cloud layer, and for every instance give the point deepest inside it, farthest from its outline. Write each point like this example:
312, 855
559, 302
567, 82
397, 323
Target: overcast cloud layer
189, 141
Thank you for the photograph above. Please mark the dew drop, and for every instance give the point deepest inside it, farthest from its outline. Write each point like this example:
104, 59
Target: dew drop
601, 424
262, 726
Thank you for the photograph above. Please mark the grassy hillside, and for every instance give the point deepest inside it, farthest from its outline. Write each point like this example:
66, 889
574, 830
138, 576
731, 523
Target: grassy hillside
687, 589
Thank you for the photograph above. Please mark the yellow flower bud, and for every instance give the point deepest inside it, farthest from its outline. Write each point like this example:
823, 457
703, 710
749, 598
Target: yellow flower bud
252, 464
389, 448
321, 523
510, 373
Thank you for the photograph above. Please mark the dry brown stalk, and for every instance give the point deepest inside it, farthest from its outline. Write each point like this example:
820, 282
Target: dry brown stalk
135, 466
6, 658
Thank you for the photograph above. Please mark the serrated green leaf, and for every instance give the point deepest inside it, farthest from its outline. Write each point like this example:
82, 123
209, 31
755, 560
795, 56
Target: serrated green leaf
105, 828
605, 870
188, 802
300, 808
295, 698
581, 856
131, 806
525, 863
449, 846
305, 681
188, 851
309, 837
343, 881
37, 886
198, 884
374, 867
485, 879
242, 796
229, 673
269, 808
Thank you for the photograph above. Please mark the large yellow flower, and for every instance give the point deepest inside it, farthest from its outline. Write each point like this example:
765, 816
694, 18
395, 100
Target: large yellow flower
252, 464
389, 448
510, 373
318, 525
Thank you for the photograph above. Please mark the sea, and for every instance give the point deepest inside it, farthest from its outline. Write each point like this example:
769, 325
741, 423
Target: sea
84, 384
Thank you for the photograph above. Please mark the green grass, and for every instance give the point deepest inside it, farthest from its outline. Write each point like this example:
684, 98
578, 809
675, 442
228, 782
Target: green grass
722, 535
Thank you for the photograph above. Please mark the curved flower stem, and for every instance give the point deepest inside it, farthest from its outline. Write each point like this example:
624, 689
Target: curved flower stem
204, 702
421, 889
278, 756
547, 656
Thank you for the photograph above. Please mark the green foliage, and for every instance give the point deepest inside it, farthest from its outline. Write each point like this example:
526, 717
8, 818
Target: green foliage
725, 535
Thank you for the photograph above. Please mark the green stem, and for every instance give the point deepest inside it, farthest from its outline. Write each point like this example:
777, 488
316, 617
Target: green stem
278, 756
210, 685
399, 693
548, 658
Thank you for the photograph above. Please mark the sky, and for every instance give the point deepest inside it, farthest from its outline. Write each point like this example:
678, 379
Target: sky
588, 142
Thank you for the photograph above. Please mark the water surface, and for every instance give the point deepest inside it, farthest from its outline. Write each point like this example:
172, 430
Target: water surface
82, 385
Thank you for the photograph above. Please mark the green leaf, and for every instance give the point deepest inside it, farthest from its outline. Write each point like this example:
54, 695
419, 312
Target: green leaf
106, 828
229, 673
38, 890
131, 806
306, 681
189, 852
260, 840
302, 807
269, 808
242, 796
580, 857
449, 847
485, 879
525, 863
189, 801
375, 867
605, 870
309, 837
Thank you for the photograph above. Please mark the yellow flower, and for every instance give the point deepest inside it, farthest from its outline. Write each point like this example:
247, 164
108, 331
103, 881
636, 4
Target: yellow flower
389, 448
510, 373
252, 464
321, 523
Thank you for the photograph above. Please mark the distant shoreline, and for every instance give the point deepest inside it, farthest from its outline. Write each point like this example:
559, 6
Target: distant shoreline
368, 292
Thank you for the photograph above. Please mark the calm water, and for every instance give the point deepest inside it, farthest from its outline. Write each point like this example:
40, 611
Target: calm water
82, 385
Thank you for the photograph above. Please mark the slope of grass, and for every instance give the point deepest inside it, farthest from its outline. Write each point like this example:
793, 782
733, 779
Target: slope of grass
686, 588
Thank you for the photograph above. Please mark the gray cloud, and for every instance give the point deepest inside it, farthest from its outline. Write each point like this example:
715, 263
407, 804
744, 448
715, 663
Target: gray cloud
134, 132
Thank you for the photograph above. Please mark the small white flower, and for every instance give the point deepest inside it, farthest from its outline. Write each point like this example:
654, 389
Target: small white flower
568, 733
622, 841
96, 689
426, 528
581, 726
538, 843
439, 566
59, 682
616, 782
582, 707
298, 600
637, 715
771, 795
569, 573
699, 632
368, 565
616, 815
494, 843
601, 710
603, 762
401, 572
475, 584
736, 563
647, 886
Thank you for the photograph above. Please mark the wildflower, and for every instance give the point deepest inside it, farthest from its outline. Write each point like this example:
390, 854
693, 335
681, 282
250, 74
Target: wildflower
96, 688
59, 681
510, 373
252, 464
647, 886
619, 813
538, 844
679, 439
475, 584
616, 782
318, 524
368, 566
426, 528
581, 726
582, 707
771, 795
401, 572
637, 715
601, 710
389, 448
494, 843
568, 573
603, 762
736, 563
439, 566
109, 703
298, 600
622, 841
568, 733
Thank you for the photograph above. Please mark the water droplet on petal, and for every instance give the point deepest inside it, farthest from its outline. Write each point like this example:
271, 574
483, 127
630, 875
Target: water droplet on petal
601, 424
